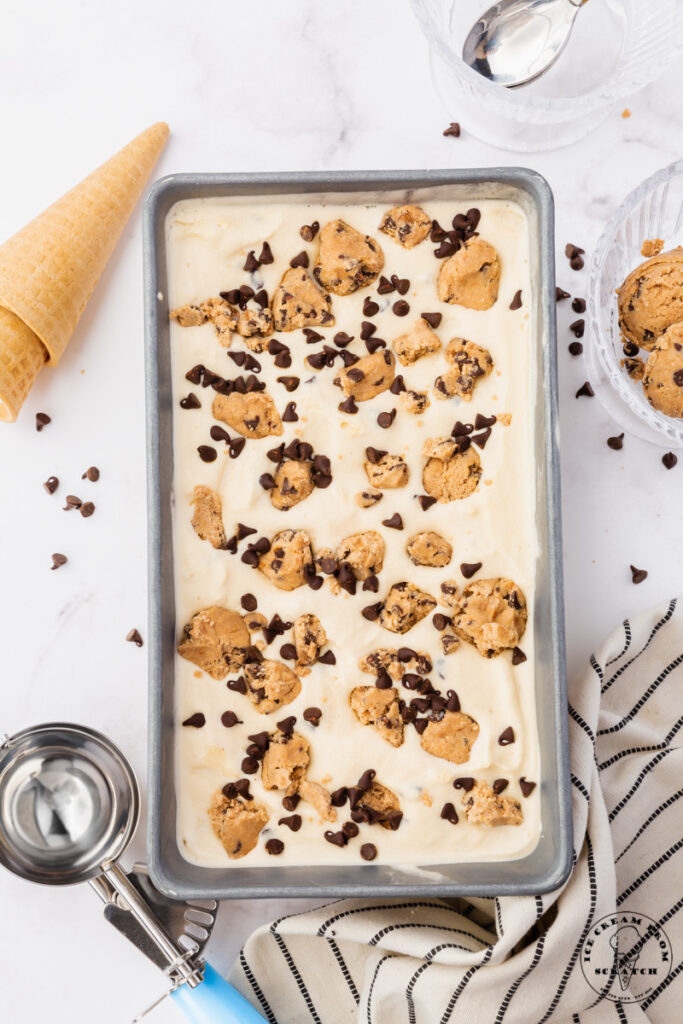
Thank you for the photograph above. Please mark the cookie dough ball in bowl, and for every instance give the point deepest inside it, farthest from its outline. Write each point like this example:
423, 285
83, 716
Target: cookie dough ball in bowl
663, 380
651, 298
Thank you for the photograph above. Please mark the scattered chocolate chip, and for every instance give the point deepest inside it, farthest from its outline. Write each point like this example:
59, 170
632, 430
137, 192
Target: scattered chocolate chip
42, 420
229, 719
350, 829
87, 509
266, 255
237, 446
453, 703
385, 419
561, 294
370, 307
274, 847
300, 260
267, 481
616, 443
401, 308
336, 838
577, 263
394, 523
251, 263
506, 737
309, 231
575, 348
448, 813
374, 344
517, 300
527, 788
374, 455
441, 621
572, 251
207, 453
293, 822
579, 305
261, 298
420, 725
479, 439
367, 329
289, 415
669, 460
385, 286
453, 130
327, 658
52, 483
58, 560
368, 851
219, 434
499, 785
92, 474
401, 284
468, 569
237, 686
197, 720
339, 797
289, 383
426, 501
249, 602
585, 391
371, 584
249, 765
250, 557
638, 575
445, 249
313, 715
466, 783
433, 319
578, 328
518, 656
72, 502
383, 681
371, 611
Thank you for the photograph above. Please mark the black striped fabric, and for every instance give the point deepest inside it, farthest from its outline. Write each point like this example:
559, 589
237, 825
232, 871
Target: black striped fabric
517, 960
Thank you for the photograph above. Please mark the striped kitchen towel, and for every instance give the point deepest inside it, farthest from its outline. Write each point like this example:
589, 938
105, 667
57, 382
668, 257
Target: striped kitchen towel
604, 949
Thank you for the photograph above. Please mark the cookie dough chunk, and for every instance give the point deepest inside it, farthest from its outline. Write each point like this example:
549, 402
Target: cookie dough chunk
223, 317
293, 483
347, 259
404, 606
285, 762
319, 798
386, 659
298, 302
635, 368
364, 552
368, 497
388, 473
415, 402
380, 708
290, 553
451, 738
255, 326
651, 298
429, 548
470, 363
369, 377
483, 807
651, 247
190, 315
207, 519
270, 685
216, 640
471, 276
251, 415
449, 474
408, 225
309, 638
419, 341
491, 615
663, 380
237, 823
378, 806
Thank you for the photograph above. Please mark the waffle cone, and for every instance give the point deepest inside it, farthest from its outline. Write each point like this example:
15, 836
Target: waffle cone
49, 269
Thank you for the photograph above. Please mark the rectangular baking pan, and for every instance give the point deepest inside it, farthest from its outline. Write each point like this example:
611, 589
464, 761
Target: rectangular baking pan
549, 864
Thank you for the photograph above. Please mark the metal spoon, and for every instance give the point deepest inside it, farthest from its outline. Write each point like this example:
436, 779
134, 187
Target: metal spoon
516, 41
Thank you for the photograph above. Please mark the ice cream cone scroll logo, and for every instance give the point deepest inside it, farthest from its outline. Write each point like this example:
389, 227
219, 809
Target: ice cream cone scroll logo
626, 956
49, 269
626, 943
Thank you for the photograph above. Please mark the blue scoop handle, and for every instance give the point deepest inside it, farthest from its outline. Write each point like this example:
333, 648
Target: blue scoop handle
213, 1001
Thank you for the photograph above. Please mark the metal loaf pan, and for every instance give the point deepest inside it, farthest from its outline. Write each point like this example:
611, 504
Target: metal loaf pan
549, 864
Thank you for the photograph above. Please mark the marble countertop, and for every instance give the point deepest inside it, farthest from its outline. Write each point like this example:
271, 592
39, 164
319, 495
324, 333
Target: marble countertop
264, 87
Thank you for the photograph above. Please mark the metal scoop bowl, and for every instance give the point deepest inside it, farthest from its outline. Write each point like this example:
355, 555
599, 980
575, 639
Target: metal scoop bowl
69, 805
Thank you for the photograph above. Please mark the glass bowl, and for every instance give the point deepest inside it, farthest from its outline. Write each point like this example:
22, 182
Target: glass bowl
653, 210
616, 48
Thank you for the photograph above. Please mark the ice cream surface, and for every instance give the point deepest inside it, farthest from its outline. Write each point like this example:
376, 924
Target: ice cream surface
430, 449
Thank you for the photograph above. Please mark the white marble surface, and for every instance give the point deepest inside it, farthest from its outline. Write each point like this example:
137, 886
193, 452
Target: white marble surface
264, 86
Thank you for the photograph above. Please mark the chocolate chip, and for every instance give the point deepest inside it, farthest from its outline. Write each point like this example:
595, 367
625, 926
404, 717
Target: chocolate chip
315, 582
261, 298
58, 560
356, 375
385, 419
336, 838
309, 231
433, 319
286, 726
219, 434
250, 557
575, 348
441, 621
244, 531
293, 822
52, 483
87, 509
453, 130
577, 263
232, 296
631, 349
585, 391
445, 249
207, 453
229, 719
237, 446
468, 569
638, 575
312, 336
572, 251
72, 502
274, 847
290, 803
371, 584
394, 523
266, 255
42, 420
370, 307
289, 383
249, 602
560, 294
578, 328
453, 703
371, 611
401, 284
527, 788
339, 797
669, 460
267, 481
517, 300
92, 473
197, 720
448, 813
426, 501
499, 785
251, 263
375, 344
190, 402
350, 829
327, 658
237, 686
300, 260
261, 740
579, 305
383, 681
249, 765
289, 415
401, 308
385, 286
466, 783
342, 339
518, 656
506, 737
479, 439
313, 715
374, 455
616, 443
368, 851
